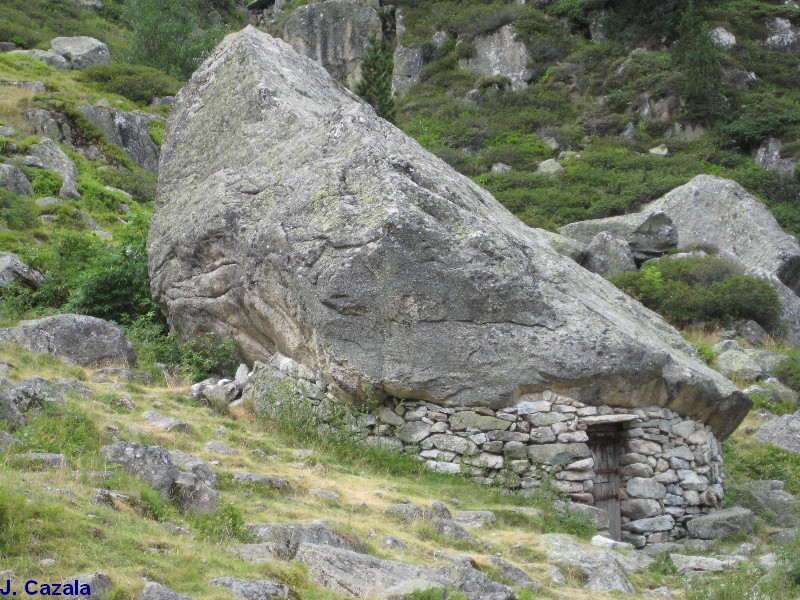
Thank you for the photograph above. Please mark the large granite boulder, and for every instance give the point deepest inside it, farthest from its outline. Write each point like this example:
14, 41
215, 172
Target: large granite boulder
649, 234
319, 230
81, 52
783, 432
334, 33
719, 212
769, 157
13, 270
602, 568
51, 59
769, 500
128, 130
608, 256
54, 159
13, 180
501, 53
720, 524
75, 339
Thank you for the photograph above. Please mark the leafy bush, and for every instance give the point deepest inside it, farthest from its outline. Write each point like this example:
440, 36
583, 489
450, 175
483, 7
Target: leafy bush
789, 370
135, 82
16, 212
168, 35
225, 524
689, 290
45, 183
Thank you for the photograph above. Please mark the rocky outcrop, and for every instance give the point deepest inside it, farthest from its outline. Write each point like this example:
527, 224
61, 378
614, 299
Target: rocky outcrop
334, 33
769, 157
13, 180
13, 270
608, 256
285, 538
745, 363
128, 130
154, 466
500, 53
721, 524
783, 432
53, 158
649, 234
785, 36
316, 223
75, 339
10, 416
718, 212
769, 500
723, 38
254, 589
81, 52
156, 591
407, 61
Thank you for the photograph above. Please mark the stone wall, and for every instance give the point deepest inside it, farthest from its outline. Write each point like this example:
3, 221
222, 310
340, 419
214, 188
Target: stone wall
670, 466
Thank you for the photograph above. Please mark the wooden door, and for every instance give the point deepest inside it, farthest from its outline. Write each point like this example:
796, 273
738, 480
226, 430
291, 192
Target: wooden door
605, 451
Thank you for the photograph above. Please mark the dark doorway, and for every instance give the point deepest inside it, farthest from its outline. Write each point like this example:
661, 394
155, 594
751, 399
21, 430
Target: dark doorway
605, 446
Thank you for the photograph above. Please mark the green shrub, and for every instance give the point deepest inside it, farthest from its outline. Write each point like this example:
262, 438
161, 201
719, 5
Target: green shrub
135, 82
375, 85
224, 525
788, 371
16, 212
155, 506
45, 183
168, 35
708, 289
60, 429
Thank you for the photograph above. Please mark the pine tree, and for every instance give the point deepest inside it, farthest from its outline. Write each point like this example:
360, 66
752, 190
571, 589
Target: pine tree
375, 85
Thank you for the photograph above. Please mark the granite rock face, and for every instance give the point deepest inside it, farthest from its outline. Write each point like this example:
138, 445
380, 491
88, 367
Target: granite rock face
334, 33
501, 53
316, 223
81, 52
12, 270
54, 159
14, 181
128, 130
719, 212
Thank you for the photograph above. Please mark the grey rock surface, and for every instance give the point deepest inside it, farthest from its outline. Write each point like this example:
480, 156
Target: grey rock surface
286, 538
156, 591
166, 422
284, 236
769, 500
75, 339
266, 481
719, 212
334, 33
720, 524
407, 61
501, 53
602, 570
608, 256
7, 441
649, 234
128, 130
785, 37
254, 589
362, 576
81, 52
194, 464
769, 157
13, 270
745, 363
100, 585
10, 416
36, 392
783, 431
56, 160
13, 180
788, 329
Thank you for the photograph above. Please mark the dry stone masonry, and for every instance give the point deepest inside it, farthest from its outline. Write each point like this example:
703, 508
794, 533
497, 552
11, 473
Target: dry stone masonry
670, 467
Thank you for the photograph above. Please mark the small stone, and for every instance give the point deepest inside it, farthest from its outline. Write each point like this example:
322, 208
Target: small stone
214, 447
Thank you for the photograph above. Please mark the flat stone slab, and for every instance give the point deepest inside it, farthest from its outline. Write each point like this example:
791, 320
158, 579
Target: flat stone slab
166, 423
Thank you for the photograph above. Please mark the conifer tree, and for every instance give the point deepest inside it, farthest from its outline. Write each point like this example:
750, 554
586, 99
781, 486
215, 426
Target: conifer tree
375, 85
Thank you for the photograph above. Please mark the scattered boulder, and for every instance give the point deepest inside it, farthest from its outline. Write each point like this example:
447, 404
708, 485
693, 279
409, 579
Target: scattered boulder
749, 364
362, 576
608, 256
660, 150
36, 392
194, 464
166, 422
602, 570
648, 234
214, 447
108, 374
13, 270
500, 53
542, 317
769, 157
750, 331
334, 34
783, 432
254, 589
720, 524
81, 52
56, 160
99, 584
128, 130
474, 518
156, 591
154, 466
49, 58
264, 481
785, 36
407, 61
697, 564
723, 38
550, 167
14, 181
768, 500
513, 573
286, 538
716, 212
